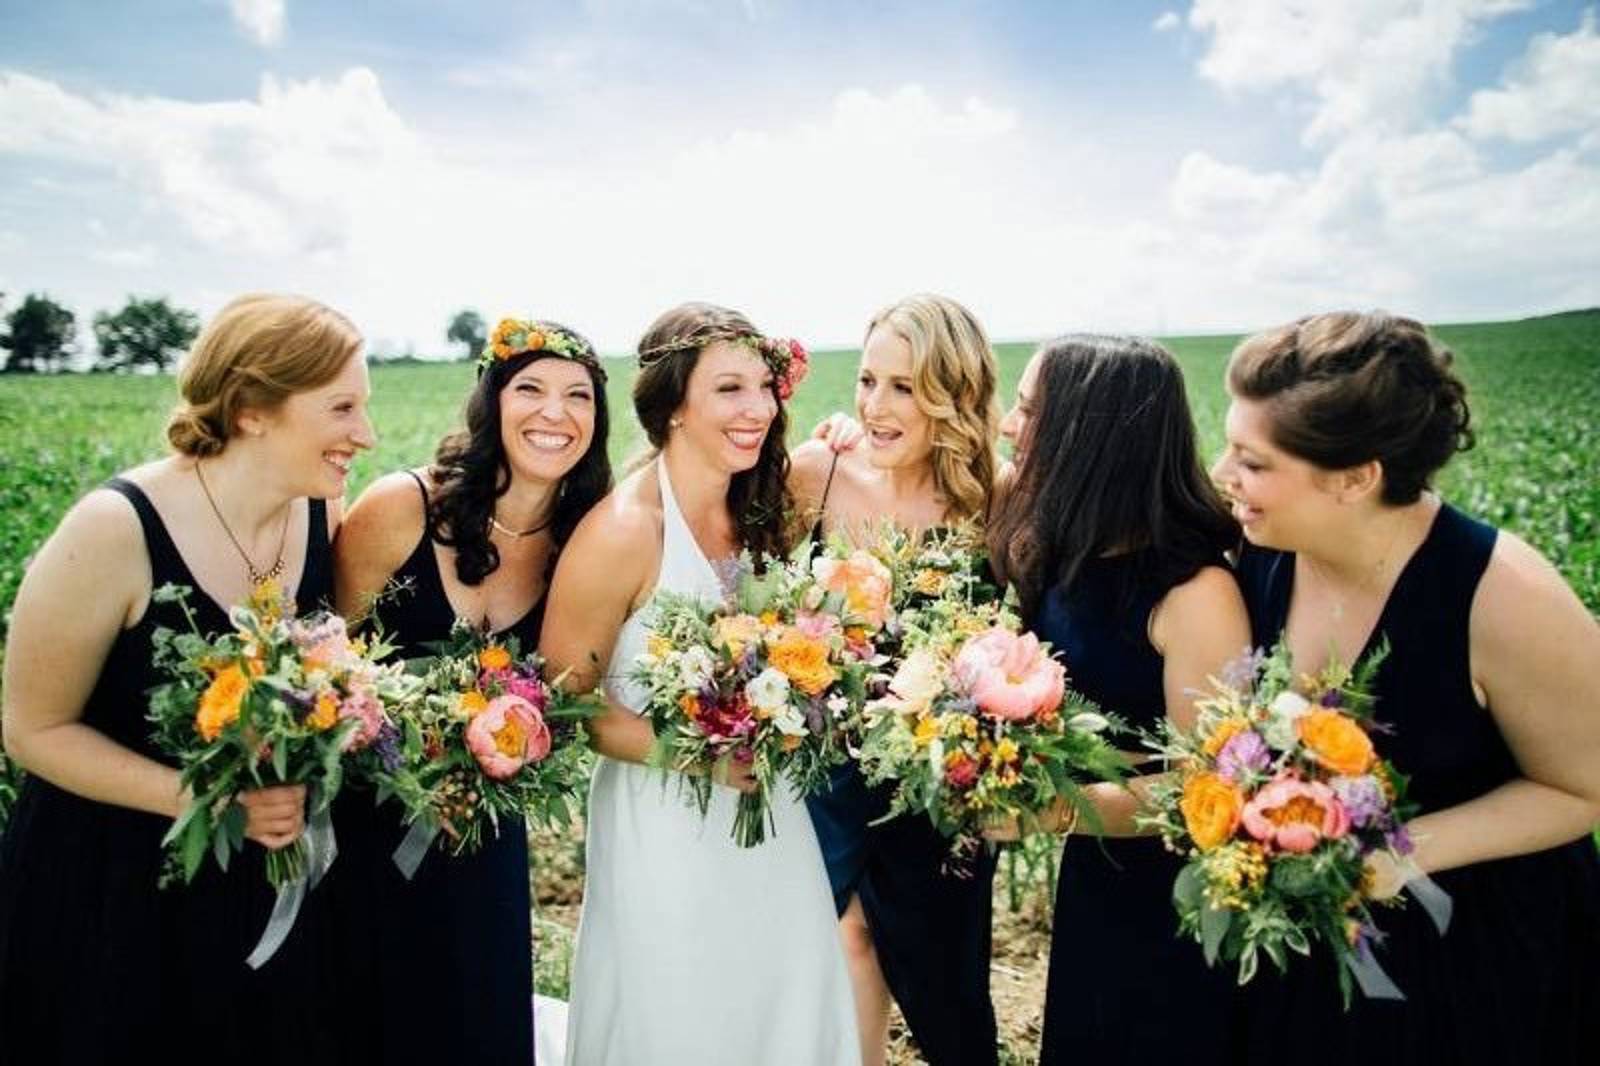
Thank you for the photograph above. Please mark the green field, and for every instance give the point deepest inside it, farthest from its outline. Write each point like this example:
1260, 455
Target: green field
1535, 391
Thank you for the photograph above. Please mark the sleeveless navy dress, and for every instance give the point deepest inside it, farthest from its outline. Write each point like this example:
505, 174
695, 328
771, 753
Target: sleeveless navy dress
1517, 976
98, 964
931, 925
1123, 988
441, 966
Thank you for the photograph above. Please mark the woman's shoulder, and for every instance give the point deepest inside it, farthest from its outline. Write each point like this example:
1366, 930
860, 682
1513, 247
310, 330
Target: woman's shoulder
390, 511
626, 518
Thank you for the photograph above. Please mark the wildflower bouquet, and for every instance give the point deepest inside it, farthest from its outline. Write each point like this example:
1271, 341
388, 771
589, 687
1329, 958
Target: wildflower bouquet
767, 678
280, 700
490, 737
977, 724
1278, 801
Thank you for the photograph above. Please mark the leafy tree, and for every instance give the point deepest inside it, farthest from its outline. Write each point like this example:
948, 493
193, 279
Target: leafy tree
144, 333
39, 335
468, 328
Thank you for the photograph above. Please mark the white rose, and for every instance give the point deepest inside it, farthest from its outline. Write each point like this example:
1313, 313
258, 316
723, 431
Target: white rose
1282, 714
919, 679
695, 668
768, 691
790, 722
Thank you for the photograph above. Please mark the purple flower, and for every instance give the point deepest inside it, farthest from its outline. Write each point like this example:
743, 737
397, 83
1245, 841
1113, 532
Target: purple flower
1363, 798
1332, 698
1400, 840
1240, 674
1243, 754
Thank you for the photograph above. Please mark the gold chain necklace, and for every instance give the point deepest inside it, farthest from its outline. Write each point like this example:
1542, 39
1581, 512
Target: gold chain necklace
519, 533
1368, 580
273, 572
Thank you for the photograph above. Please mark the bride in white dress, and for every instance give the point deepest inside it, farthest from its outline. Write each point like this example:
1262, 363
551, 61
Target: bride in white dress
690, 950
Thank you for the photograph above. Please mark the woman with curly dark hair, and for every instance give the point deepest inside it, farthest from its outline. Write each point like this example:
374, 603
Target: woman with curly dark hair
691, 948
473, 536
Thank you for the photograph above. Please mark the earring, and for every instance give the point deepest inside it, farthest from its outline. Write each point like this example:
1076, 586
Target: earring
675, 423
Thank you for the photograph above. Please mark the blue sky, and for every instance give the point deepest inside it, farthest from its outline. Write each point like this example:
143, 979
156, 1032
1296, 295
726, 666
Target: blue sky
1160, 167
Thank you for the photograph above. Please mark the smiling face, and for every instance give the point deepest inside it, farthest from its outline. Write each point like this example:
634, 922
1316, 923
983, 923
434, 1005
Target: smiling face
314, 436
1281, 500
1014, 426
728, 406
547, 415
899, 434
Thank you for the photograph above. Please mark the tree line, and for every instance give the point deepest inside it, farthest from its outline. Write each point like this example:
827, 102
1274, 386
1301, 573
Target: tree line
40, 336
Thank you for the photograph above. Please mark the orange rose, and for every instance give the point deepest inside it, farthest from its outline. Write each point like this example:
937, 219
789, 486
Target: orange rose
1337, 742
220, 704
494, 657
1226, 730
1211, 807
804, 661
471, 703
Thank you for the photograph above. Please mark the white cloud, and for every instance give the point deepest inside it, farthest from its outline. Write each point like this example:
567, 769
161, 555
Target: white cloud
1167, 20
261, 19
1399, 208
1553, 90
1371, 64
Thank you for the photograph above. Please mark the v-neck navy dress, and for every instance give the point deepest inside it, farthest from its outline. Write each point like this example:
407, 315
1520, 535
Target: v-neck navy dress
439, 968
97, 963
1517, 976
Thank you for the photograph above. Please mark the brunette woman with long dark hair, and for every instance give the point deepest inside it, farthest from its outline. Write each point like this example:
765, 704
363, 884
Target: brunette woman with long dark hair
1114, 539
691, 948
472, 536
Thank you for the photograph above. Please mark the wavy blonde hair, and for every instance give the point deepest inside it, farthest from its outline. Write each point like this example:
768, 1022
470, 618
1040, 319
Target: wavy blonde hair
953, 380
257, 352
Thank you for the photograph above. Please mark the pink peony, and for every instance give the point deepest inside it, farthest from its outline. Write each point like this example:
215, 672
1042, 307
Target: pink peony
530, 689
507, 735
365, 708
815, 624
1009, 675
1295, 815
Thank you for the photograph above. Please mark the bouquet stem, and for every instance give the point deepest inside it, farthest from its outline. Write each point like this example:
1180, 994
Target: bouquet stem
750, 823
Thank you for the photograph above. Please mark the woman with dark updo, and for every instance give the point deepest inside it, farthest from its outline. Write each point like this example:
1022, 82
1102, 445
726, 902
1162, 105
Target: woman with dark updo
1337, 425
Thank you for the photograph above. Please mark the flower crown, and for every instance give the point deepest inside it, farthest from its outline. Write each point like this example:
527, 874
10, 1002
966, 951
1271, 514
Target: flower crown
514, 336
786, 358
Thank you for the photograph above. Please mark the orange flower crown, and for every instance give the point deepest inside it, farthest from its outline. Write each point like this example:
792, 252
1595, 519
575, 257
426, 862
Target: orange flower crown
787, 358
514, 336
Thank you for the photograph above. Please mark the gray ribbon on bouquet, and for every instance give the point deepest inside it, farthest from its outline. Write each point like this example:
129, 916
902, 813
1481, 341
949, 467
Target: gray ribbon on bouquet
321, 849
414, 848
1373, 982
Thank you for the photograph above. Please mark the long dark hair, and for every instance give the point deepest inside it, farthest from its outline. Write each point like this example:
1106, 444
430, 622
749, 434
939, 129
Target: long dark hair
758, 498
1109, 464
471, 472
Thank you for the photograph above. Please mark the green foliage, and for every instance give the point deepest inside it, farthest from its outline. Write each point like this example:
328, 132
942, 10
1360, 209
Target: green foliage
39, 335
145, 333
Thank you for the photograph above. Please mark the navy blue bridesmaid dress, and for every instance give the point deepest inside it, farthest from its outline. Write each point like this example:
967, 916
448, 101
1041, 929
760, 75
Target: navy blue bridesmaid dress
1123, 988
1516, 978
97, 963
438, 968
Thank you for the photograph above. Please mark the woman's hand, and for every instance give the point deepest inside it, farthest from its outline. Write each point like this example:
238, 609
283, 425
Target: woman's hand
839, 432
274, 817
735, 773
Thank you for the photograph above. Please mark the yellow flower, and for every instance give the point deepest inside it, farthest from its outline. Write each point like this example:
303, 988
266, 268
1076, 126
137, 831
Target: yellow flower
471, 703
1226, 730
929, 582
803, 660
969, 727
736, 632
1005, 751
657, 646
326, 713
494, 657
927, 731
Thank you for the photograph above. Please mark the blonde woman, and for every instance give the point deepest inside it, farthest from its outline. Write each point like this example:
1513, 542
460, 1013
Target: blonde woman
925, 397
96, 963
